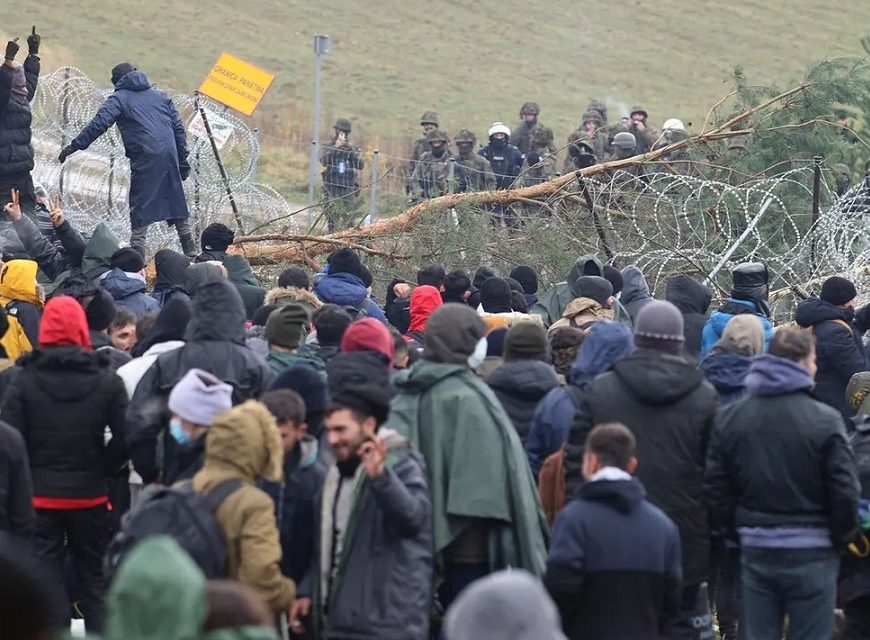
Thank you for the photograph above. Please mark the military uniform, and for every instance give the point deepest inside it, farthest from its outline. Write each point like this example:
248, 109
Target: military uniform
521, 134
341, 168
421, 146
471, 171
539, 164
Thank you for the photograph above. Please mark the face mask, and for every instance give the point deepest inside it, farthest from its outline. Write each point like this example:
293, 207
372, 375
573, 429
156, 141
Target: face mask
438, 151
478, 355
177, 431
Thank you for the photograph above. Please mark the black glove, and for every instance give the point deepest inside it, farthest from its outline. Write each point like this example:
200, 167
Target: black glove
184, 169
33, 41
11, 49
65, 153
533, 158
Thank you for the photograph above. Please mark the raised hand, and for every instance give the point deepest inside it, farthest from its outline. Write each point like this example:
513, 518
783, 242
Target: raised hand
13, 208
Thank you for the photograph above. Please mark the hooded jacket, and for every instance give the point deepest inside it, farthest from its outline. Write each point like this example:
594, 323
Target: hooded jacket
606, 343
692, 299
240, 274
17, 516
595, 560
61, 402
16, 118
382, 585
839, 349
154, 141
719, 319
55, 253
215, 342
669, 407
635, 293
437, 404
582, 313
19, 296
520, 385
726, 371
171, 268
424, 300
128, 291
348, 290
285, 295
244, 444
552, 304
779, 458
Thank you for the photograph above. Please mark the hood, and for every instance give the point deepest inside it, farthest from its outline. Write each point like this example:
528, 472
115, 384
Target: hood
425, 374
97, 258
580, 306
120, 285
452, 334
63, 324
239, 270
583, 266
687, 294
133, 81
814, 311
158, 593
744, 334
218, 314
286, 295
424, 300
726, 371
18, 282
772, 376
170, 325
657, 379
524, 379
246, 439
171, 268
623, 496
19, 83
605, 343
635, 286
201, 274
343, 289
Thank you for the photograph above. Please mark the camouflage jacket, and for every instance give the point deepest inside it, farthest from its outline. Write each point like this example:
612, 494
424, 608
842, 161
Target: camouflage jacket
543, 169
341, 165
429, 179
521, 137
473, 173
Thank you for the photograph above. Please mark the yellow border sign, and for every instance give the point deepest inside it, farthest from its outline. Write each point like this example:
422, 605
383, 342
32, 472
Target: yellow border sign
236, 84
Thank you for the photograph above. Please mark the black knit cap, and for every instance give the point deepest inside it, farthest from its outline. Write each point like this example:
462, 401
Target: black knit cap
121, 70
526, 341
837, 291
99, 310
614, 277
495, 296
367, 399
216, 237
596, 288
345, 260
527, 277
128, 259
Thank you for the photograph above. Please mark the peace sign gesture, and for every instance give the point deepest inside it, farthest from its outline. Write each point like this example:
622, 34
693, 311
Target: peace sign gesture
13, 208
56, 213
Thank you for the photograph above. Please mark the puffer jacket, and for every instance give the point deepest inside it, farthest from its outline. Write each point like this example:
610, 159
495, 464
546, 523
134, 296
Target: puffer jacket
243, 444
715, 326
520, 385
215, 342
129, 292
382, 587
347, 290
20, 298
16, 152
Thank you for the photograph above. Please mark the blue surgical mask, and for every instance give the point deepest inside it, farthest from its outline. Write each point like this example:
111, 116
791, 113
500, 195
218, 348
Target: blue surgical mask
177, 431
478, 355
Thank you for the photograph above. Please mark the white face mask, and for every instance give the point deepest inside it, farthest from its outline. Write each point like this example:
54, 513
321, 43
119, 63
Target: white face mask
478, 355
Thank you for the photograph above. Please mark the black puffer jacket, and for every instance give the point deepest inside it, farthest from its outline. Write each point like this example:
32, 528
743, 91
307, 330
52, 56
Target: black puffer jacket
692, 299
16, 152
215, 343
839, 351
520, 385
17, 516
670, 409
61, 402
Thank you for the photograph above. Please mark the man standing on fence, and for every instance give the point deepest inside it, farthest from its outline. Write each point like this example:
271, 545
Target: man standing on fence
155, 143
342, 163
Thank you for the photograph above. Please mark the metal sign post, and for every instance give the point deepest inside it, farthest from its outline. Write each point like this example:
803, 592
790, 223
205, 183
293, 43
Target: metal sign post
220, 164
321, 47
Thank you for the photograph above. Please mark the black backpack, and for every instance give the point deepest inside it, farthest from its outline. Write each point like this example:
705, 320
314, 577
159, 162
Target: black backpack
185, 516
360, 311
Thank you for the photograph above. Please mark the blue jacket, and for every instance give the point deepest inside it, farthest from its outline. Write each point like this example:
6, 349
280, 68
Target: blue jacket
295, 499
727, 372
718, 319
605, 343
129, 293
506, 161
155, 143
347, 290
609, 542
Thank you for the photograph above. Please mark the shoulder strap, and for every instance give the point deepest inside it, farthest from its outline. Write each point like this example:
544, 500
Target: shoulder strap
214, 498
838, 321
575, 393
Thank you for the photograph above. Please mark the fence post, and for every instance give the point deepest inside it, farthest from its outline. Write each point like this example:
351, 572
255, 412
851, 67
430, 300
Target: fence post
451, 174
373, 194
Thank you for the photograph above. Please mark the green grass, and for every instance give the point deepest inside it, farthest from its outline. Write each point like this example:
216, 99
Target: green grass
472, 62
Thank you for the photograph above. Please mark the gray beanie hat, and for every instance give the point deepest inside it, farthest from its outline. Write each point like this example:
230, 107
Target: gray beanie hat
659, 320
505, 605
199, 397
595, 288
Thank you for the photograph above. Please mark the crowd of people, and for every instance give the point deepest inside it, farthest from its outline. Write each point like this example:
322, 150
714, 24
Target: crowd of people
470, 456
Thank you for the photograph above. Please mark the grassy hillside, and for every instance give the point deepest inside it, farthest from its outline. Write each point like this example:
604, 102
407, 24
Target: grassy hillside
473, 62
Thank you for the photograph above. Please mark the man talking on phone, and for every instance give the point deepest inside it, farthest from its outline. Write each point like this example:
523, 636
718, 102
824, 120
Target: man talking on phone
372, 571
342, 163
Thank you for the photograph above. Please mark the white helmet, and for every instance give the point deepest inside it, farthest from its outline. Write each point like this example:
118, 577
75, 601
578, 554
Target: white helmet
499, 127
673, 125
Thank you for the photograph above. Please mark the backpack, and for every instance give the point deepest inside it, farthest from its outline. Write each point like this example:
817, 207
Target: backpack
551, 480
360, 311
185, 516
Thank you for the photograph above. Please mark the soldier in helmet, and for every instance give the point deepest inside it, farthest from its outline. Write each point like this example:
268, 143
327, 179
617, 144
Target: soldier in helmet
625, 146
342, 163
471, 172
591, 130
600, 107
429, 179
644, 133
505, 160
429, 121
521, 134
581, 154
539, 165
